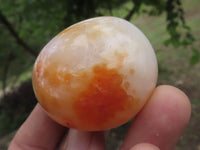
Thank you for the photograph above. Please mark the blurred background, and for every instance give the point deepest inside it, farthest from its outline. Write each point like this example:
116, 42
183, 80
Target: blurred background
172, 27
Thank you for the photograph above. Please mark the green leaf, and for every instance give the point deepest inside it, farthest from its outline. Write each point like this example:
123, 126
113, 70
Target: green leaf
195, 58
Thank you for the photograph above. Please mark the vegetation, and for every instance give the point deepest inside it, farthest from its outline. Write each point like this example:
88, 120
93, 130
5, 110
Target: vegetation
29, 24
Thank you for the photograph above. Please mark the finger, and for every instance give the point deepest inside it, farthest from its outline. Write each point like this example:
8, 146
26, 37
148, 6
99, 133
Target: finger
82, 140
37, 132
144, 146
162, 120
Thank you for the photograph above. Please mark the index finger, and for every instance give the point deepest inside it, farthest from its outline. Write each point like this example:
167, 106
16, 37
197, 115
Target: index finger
37, 132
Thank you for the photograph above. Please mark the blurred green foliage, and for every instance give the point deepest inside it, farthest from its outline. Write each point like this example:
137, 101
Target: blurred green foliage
27, 25
195, 58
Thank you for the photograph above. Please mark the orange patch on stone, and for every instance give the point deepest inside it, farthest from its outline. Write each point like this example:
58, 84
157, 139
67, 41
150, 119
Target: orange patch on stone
133, 91
99, 96
131, 71
120, 58
103, 98
126, 85
67, 77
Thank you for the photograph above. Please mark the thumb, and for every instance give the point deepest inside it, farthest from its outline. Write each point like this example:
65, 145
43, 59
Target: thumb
145, 146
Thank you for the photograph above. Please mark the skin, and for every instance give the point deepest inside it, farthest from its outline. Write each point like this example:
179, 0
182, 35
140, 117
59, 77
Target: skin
158, 126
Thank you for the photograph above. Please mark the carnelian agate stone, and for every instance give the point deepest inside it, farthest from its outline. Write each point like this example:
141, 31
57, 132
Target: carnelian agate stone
96, 74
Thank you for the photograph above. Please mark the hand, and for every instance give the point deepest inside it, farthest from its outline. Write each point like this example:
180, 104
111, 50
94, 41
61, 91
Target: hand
161, 123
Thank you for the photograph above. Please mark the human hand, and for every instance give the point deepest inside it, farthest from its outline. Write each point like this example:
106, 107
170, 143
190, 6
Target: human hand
161, 123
